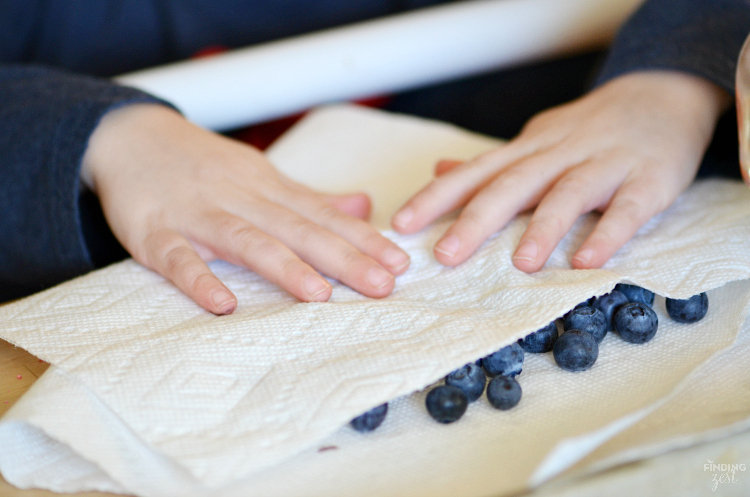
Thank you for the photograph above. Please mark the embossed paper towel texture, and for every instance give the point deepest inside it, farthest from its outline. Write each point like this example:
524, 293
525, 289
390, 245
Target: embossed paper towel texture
487, 453
222, 398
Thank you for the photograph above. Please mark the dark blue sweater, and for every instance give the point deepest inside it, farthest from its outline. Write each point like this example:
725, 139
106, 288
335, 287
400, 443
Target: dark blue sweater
51, 53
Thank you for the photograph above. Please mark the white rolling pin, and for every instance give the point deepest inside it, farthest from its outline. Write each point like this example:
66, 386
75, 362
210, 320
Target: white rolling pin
377, 57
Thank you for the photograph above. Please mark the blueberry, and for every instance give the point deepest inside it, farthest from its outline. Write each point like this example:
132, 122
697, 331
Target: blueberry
470, 379
371, 419
588, 319
586, 303
636, 322
688, 310
446, 404
575, 350
542, 340
636, 293
506, 361
608, 304
503, 392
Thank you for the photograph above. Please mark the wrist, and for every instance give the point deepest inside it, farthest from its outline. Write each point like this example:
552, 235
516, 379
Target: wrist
116, 128
693, 94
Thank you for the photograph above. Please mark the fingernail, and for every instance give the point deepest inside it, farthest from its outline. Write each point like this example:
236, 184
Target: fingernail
527, 251
449, 245
223, 300
403, 217
379, 277
396, 259
315, 285
584, 256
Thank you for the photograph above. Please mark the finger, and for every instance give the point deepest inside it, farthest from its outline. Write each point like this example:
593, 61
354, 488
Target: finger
630, 208
322, 249
356, 205
515, 189
171, 255
445, 165
357, 233
579, 190
453, 188
237, 241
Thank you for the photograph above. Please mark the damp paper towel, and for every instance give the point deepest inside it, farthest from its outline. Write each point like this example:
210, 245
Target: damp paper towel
152, 396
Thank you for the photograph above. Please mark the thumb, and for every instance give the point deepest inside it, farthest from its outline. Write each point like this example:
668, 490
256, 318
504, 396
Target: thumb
355, 204
445, 165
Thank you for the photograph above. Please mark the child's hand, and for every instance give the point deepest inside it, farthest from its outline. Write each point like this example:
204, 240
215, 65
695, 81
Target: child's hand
628, 148
176, 195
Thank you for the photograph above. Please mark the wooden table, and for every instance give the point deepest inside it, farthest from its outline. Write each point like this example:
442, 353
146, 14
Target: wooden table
677, 473
18, 371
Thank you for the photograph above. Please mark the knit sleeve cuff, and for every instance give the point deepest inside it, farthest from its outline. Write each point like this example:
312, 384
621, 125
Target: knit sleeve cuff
700, 37
46, 119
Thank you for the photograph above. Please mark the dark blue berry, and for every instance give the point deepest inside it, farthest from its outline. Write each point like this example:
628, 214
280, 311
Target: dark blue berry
608, 304
446, 404
636, 322
688, 310
503, 392
586, 303
506, 361
636, 293
575, 350
588, 319
542, 340
371, 419
470, 379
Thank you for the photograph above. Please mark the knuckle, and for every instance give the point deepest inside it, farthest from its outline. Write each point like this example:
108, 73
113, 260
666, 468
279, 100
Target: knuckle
547, 225
489, 158
175, 259
629, 208
573, 184
250, 241
538, 123
470, 220
304, 230
604, 236
661, 199
263, 248
350, 260
290, 269
431, 192
372, 239
242, 235
158, 245
327, 211
201, 280
513, 178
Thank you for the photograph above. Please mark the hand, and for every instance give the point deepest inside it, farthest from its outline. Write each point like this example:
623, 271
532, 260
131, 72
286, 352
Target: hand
628, 149
177, 196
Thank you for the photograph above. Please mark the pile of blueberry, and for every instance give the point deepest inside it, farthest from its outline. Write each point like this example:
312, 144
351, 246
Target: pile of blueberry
626, 310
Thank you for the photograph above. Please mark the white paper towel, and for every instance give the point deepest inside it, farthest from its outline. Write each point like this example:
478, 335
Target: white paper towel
169, 400
382, 56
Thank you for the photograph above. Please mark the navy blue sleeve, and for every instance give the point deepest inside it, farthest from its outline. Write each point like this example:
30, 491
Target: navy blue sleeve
49, 230
46, 118
701, 37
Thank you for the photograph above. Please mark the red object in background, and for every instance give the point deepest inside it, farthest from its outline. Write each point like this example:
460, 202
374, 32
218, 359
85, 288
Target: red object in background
262, 135
209, 51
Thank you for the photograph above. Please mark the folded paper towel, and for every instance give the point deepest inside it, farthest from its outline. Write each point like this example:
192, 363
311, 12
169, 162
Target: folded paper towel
180, 402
